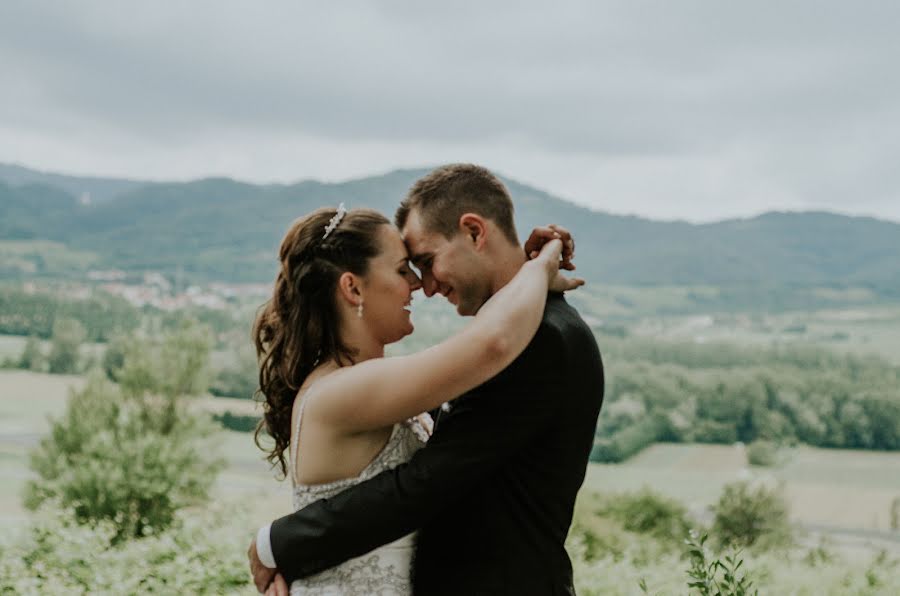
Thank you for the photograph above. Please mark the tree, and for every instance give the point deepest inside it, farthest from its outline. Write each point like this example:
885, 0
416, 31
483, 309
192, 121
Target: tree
114, 357
68, 335
133, 454
32, 358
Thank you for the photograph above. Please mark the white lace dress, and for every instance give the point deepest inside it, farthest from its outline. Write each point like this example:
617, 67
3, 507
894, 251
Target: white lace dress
385, 571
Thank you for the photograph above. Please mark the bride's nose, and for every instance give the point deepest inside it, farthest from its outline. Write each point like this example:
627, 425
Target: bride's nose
414, 282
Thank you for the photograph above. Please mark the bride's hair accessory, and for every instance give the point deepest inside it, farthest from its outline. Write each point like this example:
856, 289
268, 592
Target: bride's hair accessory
341, 212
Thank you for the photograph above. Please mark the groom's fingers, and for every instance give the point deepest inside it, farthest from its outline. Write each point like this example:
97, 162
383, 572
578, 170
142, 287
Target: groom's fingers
566, 237
568, 246
544, 234
568, 252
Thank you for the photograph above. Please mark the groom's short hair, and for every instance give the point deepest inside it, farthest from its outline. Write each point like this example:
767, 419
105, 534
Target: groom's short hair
446, 193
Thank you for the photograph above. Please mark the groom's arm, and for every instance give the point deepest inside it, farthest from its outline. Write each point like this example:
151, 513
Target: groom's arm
483, 430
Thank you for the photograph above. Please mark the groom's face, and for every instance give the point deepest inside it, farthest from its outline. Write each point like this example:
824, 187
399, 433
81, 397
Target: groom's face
450, 267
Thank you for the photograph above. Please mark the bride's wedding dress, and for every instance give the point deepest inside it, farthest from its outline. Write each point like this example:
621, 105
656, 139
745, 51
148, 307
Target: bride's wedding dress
385, 571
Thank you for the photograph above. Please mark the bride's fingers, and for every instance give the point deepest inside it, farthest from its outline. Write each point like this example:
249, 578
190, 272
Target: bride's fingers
568, 240
553, 249
280, 586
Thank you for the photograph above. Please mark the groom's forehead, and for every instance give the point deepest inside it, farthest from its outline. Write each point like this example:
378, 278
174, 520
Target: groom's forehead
421, 243
418, 246
414, 233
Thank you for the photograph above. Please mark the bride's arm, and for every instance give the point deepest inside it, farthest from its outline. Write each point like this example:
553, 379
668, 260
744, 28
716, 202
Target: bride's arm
382, 391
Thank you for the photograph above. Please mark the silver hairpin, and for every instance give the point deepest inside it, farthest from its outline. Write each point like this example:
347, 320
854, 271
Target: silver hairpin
341, 212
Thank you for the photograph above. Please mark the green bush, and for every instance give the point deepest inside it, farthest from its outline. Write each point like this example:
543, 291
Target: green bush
762, 453
714, 431
237, 422
201, 553
120, 460
114, 357
748, 515
722, 394
630, 440
132, 455
648, 512
715, 576
35, 313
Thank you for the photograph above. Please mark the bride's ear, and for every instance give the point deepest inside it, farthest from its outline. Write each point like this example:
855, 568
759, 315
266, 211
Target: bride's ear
349, 288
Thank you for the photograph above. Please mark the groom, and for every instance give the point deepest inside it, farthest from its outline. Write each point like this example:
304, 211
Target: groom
493, 491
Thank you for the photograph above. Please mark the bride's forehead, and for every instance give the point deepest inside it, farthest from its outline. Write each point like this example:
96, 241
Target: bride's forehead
392, 241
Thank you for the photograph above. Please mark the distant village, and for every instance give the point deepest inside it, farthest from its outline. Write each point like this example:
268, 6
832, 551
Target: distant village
156, 290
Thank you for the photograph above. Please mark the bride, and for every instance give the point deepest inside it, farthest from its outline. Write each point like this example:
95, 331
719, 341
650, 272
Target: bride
343, 411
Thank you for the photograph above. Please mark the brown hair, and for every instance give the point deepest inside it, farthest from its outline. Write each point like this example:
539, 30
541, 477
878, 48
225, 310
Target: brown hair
445, 194
299, 326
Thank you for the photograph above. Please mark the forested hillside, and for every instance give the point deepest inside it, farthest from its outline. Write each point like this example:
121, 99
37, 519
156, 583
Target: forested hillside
228, 230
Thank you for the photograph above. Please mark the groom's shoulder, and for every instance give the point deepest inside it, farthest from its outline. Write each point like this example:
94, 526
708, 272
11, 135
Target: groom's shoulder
562, 321
560, 326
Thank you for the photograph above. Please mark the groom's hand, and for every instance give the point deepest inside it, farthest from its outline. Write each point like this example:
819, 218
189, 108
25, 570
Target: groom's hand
544, 234
262, 575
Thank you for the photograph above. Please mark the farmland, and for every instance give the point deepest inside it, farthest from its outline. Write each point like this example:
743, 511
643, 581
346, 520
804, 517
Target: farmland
826, 488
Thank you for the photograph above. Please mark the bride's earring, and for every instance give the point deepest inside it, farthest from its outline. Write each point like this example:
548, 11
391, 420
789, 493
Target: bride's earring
359, 309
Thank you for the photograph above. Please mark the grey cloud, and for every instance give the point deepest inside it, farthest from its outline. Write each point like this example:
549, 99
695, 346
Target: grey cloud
807, 87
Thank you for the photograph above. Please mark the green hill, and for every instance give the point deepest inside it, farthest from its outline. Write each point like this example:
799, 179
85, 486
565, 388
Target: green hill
224, 229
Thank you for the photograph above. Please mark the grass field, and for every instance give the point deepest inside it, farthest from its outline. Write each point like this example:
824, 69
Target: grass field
28, 399
863, 326
825, 488
43, 257
873, 330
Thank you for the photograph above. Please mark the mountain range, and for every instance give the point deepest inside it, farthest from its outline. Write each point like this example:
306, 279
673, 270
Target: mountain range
224, 229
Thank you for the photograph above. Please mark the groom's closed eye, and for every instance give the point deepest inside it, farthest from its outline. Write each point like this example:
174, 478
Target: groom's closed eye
422, 262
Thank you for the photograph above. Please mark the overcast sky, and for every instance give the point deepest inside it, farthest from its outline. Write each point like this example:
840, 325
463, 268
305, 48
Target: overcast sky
687, 110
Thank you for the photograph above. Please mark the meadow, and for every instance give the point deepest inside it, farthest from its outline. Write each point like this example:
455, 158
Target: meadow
658, 345
839, 500
826, 488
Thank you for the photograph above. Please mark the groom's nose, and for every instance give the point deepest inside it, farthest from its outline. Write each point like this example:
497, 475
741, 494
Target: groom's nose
429, 285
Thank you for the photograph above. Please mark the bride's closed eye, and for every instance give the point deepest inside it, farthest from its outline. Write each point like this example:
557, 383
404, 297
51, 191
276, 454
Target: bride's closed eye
409, 274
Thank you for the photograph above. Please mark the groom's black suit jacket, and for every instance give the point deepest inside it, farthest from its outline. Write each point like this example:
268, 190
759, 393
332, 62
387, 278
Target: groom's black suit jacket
493, 491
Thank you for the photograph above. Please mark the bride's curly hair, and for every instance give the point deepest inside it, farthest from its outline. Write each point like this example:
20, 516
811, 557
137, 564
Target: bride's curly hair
299, 326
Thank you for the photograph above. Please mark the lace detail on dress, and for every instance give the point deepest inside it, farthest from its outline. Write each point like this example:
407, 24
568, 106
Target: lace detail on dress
386, 571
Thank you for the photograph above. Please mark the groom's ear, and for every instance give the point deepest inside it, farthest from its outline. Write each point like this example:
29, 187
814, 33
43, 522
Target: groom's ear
475, 228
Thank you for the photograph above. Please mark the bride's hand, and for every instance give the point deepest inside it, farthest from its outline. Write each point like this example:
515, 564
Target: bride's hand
278, 587
549, 258
541, 235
